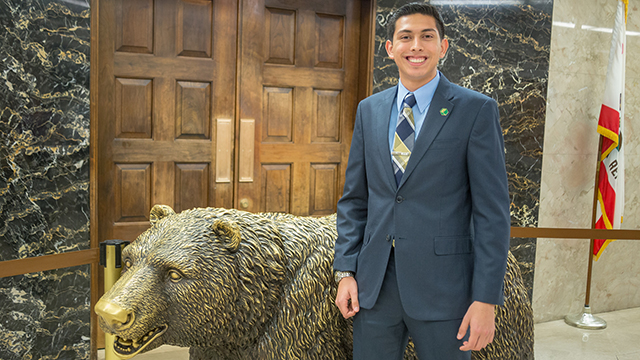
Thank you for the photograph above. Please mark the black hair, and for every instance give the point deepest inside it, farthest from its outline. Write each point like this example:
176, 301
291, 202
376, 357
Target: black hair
414, 8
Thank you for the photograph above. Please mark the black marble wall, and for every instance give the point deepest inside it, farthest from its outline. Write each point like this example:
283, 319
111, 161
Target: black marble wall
503, 52
44, 175
46, 315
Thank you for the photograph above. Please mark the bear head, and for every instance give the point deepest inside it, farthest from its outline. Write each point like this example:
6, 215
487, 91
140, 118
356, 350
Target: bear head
202, 278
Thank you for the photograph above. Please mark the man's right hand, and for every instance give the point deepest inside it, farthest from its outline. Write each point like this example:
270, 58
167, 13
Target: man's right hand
347, 298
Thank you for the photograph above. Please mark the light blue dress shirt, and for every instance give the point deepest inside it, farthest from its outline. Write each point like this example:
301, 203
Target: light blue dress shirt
423, 95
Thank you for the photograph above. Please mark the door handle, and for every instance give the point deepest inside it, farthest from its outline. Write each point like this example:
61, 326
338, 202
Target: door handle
247, 144
223, 150
244, 204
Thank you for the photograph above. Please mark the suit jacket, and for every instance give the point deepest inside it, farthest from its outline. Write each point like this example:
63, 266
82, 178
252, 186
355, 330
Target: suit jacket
449, 215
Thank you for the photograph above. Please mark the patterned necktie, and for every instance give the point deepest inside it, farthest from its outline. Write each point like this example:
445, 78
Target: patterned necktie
404, 137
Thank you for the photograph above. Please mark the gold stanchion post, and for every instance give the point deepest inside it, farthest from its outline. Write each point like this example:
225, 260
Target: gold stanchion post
111, 259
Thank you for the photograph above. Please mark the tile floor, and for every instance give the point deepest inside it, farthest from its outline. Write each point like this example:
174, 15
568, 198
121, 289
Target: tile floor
554, 340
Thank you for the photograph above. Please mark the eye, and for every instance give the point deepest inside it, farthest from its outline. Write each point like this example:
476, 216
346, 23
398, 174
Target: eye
174, 275
127, 264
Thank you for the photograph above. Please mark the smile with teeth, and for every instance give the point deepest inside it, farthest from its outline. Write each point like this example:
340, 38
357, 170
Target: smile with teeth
416, 60
129, 348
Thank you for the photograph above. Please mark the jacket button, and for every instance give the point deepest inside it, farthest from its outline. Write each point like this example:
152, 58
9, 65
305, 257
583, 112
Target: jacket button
399, 199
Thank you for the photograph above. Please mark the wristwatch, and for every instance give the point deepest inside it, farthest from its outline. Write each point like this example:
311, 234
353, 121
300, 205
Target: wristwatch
339, 275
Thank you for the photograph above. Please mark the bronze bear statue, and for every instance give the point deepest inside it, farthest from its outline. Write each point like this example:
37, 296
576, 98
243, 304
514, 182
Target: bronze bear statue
235, 285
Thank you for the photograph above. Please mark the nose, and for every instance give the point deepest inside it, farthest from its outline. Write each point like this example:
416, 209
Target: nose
114, 315
416, 45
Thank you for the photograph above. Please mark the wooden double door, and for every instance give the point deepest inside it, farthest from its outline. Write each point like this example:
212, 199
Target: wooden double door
244, 104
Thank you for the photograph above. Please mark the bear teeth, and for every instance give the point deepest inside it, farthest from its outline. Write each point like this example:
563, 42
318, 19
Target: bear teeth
129, 348
124, 342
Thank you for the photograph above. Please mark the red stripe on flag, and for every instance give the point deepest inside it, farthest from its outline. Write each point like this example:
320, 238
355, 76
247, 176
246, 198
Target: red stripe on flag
609, 119
608, 195
607, 198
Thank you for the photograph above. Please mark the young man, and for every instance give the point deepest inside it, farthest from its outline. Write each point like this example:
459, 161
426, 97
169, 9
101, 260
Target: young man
423, 224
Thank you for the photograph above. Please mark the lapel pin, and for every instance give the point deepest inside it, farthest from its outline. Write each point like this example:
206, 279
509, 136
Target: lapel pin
444, 111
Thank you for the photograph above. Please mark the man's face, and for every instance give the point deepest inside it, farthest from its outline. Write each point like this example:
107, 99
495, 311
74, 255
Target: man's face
416, 49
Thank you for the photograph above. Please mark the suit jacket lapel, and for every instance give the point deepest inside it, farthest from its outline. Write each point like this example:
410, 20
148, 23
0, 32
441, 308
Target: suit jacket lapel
381, 126
435, 119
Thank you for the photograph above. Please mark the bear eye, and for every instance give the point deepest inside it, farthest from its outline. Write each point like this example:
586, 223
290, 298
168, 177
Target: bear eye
127, 263
175, 276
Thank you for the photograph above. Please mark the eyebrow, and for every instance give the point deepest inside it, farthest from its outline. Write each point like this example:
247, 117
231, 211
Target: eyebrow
410, 32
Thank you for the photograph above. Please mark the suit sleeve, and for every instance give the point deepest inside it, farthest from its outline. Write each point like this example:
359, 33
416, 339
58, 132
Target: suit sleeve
490, 205
352, 206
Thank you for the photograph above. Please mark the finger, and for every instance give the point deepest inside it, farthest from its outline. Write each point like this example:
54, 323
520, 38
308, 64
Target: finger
350, 312
346, 311
463, 327
343, 305
465, 346
355, 305
471, 343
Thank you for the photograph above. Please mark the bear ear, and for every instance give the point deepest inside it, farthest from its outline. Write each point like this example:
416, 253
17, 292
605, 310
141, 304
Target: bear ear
227, 233
159, 212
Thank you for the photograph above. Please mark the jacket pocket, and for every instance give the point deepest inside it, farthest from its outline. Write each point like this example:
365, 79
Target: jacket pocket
450, 245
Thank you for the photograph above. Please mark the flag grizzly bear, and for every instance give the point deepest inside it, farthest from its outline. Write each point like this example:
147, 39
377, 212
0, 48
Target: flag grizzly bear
234, 285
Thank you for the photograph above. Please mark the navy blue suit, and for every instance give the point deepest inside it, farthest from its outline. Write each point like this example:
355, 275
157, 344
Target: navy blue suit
449, 216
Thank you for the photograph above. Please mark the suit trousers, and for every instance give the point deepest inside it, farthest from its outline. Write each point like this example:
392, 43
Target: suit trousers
382, 332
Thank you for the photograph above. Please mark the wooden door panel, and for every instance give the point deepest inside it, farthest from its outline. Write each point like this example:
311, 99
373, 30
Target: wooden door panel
298, 85
134, 26
277, 187
327, 116
133, 108
192, 186
194, 28
193, 110
277, 114
329, 41
133, 192
324, 188
280, 43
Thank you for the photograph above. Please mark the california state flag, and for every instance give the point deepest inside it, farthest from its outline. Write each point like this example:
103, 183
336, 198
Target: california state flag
611, 128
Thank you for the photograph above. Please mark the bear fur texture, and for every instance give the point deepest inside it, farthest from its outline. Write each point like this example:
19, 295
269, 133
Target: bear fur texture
233, 285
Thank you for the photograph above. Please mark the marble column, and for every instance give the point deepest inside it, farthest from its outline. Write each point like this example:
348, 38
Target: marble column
500, 49
44, 175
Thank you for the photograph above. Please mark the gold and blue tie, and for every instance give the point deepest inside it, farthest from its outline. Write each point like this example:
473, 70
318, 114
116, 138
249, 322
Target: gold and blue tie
404, 137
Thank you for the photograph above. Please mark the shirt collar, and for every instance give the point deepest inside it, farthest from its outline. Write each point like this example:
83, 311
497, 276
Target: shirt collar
423, 95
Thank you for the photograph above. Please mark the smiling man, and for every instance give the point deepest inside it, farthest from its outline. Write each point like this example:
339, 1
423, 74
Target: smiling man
423, 223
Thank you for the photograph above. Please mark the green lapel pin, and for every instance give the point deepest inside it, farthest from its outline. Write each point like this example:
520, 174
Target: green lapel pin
444, 111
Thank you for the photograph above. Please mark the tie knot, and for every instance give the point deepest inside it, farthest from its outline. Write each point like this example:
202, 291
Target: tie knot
409, 99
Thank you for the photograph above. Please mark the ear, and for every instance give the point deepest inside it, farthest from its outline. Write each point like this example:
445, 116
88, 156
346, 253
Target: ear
389, 47
159, 212
444, 46
227, 233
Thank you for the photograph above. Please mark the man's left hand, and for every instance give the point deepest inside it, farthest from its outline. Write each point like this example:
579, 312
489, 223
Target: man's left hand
481, 319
